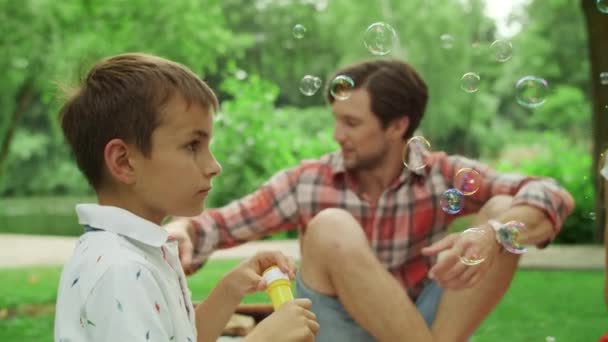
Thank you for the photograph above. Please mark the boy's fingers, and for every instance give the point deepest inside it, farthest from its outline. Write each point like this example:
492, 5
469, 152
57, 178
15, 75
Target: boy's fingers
313, 326
303, 302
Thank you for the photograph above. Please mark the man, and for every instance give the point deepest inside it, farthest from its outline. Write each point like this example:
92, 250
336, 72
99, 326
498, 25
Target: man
371, 229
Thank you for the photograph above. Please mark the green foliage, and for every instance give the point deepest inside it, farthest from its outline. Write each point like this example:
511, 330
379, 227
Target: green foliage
253, 140
570, 165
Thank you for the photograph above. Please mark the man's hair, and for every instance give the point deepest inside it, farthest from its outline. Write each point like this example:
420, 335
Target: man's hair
123, 97
396, 90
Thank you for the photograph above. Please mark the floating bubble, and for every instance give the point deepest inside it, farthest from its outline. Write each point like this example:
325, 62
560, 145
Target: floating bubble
341, 87
604, 78
471, 257
467, 181
452, 201
602, 6
240, 74
309, 85
508, 236
502, 50
531, 91
550, 339
447, 41
470, 82
299, 31
592, 216
380, 38
416, 152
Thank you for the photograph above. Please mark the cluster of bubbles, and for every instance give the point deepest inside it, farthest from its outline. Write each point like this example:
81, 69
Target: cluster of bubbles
466, 182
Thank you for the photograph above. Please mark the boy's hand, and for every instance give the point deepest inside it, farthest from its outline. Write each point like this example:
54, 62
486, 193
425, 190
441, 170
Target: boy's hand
247, 276
293, 322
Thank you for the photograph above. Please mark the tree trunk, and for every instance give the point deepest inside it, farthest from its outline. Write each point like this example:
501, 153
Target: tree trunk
597, 33
24, 98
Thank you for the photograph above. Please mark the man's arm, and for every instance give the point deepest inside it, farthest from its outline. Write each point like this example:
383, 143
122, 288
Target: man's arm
540, 203
270, 209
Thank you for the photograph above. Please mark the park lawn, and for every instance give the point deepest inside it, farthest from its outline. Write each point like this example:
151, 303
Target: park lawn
566, 305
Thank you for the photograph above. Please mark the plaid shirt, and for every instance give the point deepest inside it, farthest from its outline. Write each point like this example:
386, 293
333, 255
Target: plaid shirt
406, 217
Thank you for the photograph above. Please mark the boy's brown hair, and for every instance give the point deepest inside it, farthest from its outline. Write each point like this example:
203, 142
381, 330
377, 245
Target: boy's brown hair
123, 97
395, 90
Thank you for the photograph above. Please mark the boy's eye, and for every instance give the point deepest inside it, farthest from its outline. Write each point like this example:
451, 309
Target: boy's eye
193, 146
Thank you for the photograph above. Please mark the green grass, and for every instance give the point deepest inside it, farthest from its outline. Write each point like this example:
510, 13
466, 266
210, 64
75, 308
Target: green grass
566, 305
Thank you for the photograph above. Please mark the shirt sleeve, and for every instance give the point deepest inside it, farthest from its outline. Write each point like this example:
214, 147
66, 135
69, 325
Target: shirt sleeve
127, 304
270, 209
539, 192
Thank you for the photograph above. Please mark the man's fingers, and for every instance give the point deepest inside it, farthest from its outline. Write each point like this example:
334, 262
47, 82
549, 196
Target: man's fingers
440, 245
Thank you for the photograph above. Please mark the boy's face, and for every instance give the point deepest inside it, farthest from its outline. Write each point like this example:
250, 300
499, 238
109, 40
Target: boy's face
176, 178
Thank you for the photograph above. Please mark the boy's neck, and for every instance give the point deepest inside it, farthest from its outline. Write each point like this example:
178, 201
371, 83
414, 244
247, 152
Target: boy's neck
128, 201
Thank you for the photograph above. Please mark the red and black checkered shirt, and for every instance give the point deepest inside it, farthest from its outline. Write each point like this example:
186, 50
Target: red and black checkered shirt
406, 217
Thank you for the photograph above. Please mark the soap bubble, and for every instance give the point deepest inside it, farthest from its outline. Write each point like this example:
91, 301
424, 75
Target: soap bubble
604, 78
508, 236
470, 82
341, 87
416, 152
380, 38
452, 201
470, 256
299, 31
467, 181
502, 50
602, 6
447, 41
531, 91
309, 85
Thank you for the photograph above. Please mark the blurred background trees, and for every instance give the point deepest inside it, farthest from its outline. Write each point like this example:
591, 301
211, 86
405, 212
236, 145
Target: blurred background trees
247, 52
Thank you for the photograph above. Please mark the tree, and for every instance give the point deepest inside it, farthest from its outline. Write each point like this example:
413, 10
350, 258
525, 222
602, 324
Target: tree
597, 32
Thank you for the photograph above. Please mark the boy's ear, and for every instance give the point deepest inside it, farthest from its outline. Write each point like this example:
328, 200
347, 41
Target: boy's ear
117, 159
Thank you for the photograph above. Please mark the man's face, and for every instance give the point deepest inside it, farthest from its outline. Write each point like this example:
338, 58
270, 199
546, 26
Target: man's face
176, 178
358, 131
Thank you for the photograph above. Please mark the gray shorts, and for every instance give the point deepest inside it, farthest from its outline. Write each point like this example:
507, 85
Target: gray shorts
337, 325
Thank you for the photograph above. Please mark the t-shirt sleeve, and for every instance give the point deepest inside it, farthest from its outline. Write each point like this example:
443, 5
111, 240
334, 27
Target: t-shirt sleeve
127, 304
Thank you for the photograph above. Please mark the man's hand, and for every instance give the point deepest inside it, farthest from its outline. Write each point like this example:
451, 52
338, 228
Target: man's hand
293, 322
182, 230
246, 277
449, 271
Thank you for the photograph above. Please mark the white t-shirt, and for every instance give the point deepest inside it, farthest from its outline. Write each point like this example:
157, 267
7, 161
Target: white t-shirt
124, 282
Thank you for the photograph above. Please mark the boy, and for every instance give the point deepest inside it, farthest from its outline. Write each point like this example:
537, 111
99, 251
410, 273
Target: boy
140, 127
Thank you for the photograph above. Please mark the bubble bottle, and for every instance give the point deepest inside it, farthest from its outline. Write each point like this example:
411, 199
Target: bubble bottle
278, 286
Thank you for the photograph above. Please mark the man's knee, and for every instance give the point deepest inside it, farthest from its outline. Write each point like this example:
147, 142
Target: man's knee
334, 230
495, 206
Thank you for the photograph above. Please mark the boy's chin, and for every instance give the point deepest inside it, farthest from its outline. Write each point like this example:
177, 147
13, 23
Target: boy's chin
189, 212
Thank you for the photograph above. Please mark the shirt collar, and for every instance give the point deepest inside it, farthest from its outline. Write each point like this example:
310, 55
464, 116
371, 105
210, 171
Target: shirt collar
122, 222
336, 163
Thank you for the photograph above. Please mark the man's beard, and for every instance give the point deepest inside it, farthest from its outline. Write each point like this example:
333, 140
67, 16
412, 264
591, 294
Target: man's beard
369, 162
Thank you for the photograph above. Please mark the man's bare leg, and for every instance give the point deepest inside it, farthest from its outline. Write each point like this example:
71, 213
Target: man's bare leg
461, 312
337, 260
